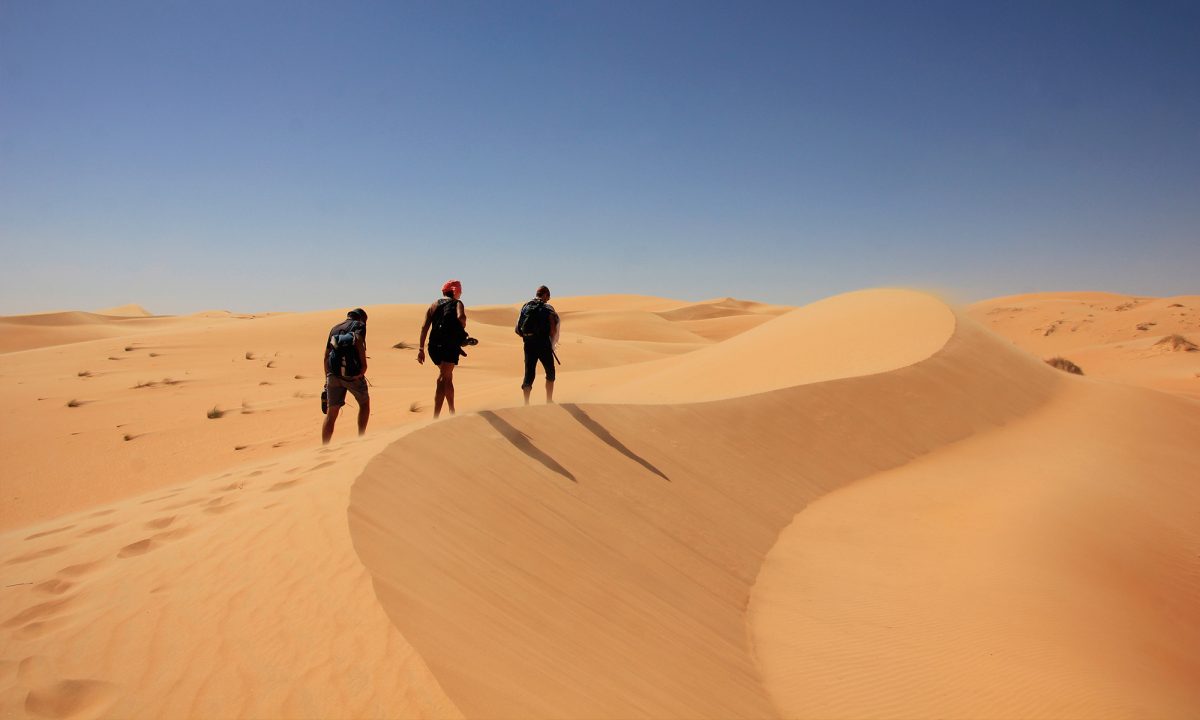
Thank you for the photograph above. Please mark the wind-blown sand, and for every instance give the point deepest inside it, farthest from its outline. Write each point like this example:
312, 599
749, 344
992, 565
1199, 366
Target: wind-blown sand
871, 506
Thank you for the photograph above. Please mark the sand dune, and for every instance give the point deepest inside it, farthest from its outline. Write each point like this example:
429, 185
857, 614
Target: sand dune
130, 310
871, 506
1117, 337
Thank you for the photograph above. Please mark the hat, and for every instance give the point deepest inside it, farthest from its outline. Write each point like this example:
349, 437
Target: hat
454, 285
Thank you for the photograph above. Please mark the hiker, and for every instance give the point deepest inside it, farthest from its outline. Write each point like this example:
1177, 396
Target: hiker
446, 327
538, 326
346, 369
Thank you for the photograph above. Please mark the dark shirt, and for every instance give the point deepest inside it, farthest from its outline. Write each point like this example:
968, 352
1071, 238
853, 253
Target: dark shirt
345, 326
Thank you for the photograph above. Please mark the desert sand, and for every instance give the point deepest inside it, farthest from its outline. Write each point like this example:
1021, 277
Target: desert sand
875, 505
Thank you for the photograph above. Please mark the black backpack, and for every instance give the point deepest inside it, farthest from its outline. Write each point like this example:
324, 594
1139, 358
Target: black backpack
534, 321
446, 330
343, 351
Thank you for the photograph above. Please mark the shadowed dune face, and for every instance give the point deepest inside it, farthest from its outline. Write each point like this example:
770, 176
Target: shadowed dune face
597, 560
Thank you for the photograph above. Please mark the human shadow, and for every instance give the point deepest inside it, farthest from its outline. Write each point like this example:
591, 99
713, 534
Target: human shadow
599, 431
521, 442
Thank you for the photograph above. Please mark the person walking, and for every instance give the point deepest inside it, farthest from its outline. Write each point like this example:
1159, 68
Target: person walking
446, 328
538, 326
346, 370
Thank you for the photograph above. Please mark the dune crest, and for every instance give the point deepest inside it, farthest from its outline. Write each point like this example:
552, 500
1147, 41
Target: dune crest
632, 534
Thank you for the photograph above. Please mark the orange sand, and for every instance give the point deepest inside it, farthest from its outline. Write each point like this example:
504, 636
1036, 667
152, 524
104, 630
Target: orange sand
871, 506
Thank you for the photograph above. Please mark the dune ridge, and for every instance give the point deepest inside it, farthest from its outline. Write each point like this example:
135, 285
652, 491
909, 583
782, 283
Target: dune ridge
870, 506
634, 533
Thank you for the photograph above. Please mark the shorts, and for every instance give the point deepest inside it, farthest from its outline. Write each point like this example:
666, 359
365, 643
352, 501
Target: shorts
337, 386
535, 353
439, 354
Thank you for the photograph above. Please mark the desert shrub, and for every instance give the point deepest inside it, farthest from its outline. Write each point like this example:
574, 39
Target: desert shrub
1178, 342
1065, 365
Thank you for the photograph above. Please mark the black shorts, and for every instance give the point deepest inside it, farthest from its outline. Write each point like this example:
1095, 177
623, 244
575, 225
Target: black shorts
439, 354
534, 353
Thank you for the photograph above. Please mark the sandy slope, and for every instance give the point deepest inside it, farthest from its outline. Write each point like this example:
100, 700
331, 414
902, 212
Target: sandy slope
1118, 337
877, 508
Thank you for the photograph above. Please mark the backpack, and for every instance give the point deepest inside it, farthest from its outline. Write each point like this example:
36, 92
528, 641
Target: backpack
343, 351
446, 330
534, 321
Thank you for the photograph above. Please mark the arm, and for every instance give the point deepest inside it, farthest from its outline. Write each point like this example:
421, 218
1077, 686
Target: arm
555, 324
362, 356
462, 314
424, 333
325, 356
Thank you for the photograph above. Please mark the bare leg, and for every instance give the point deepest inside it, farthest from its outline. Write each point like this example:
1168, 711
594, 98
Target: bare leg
448, 385
439, 395
526, 390
549, 392
331, 416
364, 414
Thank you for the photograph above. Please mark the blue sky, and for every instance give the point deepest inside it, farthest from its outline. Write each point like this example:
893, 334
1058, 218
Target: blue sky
293, 156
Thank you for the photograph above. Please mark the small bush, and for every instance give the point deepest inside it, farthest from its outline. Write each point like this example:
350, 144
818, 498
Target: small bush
215, 413
129, 437
415, 407
249, 355
1065, 365
1178, 343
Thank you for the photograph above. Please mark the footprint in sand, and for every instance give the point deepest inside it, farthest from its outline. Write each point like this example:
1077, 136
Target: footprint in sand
218, 505
37, 620
55, 531
145, 545
46, 552
321, 465
160, 523
282, 485
98, 529
74, 571
72, 699
54, 586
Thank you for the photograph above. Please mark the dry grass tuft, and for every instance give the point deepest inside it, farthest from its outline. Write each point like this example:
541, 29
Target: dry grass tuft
129, 437
1178, 343
415, 407
84, 373
1065, 365
402, 345
249, 355
171, 381
142, 384
74, 403
240, 447
271, 363
153, 354
215, 413
298, 377
129, 348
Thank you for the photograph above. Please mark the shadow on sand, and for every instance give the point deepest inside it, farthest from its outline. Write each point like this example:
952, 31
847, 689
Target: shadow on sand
598, 430
521, 441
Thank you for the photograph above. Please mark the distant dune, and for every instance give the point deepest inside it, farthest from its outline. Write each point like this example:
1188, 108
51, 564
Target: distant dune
130, 310
872, 506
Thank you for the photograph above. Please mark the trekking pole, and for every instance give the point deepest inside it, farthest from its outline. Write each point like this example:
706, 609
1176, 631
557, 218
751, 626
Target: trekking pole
555, 356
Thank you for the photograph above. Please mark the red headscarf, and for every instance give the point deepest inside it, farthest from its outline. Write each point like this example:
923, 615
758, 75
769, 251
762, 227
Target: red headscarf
454, 285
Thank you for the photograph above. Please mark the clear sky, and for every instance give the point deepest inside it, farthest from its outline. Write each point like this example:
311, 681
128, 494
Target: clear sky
294, 155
